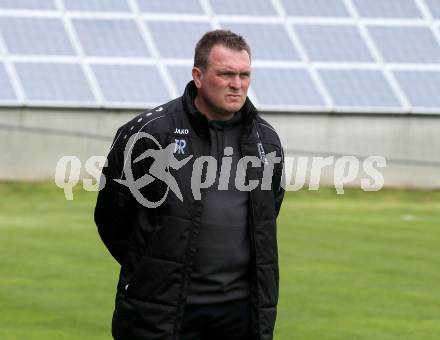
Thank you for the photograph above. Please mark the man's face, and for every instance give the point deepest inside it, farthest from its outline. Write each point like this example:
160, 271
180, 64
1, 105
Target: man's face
223, 84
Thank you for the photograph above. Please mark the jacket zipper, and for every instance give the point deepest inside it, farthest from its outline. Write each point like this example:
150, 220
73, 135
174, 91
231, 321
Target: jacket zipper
254, 246
182, 299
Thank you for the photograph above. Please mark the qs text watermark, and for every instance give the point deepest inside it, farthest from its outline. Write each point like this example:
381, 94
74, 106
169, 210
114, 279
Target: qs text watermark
298, 173
289, 173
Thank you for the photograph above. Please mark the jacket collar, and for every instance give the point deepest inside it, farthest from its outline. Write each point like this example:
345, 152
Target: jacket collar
200, 122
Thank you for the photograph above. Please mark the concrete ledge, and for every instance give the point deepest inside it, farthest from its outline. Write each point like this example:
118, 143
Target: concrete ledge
32, 141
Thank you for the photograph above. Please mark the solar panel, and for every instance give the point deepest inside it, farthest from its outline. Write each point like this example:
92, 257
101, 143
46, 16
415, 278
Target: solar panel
421, 87
367, 88
285, 87
131, 83
387, 8
177, 39
35, 36
28, 4
6, 90
181, 76
434, 7
268, 42
170, 6
243, 7
117, 38
315, 8
127, 42
402, 44
54, 82
333, 43
97, 5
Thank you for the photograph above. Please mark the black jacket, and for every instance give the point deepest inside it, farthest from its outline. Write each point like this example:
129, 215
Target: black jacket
156, 246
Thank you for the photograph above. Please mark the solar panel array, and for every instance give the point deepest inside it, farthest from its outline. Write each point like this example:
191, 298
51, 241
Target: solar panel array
308, 55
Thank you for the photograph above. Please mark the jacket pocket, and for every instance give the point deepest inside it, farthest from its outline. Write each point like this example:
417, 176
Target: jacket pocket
155, 280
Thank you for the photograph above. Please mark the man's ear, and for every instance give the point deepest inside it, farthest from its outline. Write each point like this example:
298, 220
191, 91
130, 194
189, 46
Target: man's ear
197, 76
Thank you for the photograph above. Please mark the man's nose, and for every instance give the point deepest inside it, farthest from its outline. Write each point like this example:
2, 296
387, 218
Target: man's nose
235, 82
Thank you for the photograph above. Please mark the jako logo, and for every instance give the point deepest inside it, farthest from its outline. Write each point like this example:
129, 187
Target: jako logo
181, 131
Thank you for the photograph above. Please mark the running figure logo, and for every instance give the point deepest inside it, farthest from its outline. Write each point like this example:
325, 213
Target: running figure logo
163, 160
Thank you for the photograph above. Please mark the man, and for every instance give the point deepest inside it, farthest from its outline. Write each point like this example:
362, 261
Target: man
203, 263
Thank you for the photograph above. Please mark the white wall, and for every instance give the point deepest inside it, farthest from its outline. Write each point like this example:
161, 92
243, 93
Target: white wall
411, 144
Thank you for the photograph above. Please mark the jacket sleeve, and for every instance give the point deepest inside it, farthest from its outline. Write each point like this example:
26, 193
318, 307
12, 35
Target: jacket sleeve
278, 187
115, 206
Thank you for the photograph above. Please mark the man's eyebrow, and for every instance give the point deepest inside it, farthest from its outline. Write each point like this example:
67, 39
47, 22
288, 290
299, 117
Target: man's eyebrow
229, 71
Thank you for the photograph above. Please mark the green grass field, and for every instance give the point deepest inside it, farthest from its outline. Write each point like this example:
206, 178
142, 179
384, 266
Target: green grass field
354, 266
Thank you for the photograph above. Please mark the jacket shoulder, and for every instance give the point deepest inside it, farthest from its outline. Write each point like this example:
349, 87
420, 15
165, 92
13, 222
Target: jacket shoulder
267, 132
153, 121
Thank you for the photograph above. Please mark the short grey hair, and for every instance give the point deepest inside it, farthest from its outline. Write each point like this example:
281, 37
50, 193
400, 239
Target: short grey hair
226, 38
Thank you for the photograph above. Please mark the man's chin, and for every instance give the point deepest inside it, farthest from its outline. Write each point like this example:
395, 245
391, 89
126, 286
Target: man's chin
233, 107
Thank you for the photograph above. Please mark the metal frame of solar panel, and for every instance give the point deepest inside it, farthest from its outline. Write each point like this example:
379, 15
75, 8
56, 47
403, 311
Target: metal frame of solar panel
369, 56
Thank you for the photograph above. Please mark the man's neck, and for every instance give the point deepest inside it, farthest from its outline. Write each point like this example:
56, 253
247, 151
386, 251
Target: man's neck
209, 112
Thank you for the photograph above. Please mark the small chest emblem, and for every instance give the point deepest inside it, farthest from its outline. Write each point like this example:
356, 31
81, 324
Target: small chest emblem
262, 153
180, 145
